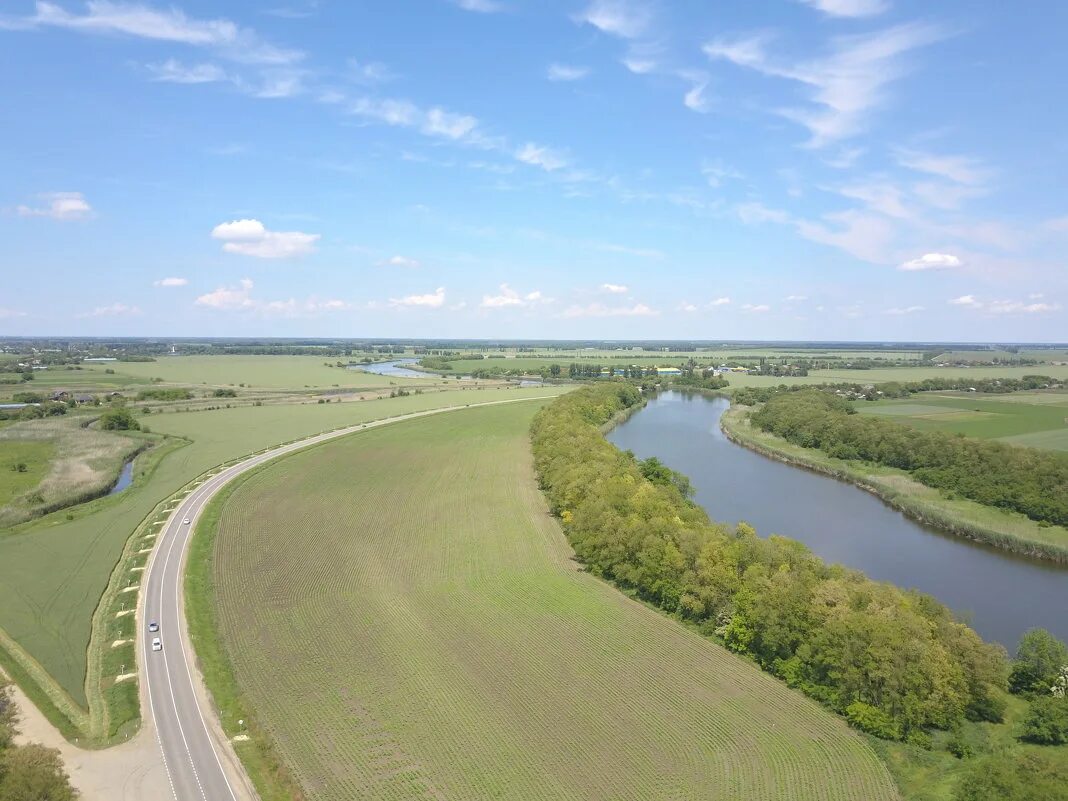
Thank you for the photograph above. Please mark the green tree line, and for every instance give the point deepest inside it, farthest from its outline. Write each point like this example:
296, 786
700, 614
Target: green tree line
1026, 480
894, 662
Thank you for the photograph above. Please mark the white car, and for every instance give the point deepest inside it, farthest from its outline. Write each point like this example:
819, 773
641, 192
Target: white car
157, 644
185, 522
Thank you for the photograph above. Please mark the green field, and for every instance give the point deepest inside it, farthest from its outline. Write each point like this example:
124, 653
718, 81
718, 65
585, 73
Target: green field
1037, 419
23, 464
264, 372
440, 642
53, 570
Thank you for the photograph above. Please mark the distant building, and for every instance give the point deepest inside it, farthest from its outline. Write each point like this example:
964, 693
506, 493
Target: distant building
668, 371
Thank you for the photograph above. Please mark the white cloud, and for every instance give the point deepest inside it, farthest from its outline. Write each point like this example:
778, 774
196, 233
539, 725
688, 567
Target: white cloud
402, 113
965, 300
114, 310
758, 308
845, 85
399, 261
716, 172
566, 72
368, 74
600, 310
541, 156
696, 100
628, 19
169, 25
720, 302
61, 206
866, 236
169, 282
614, 289
480, 6
796, 298
239, 298
1020, 307
849, 8
431, 300
10, 314
903, 311
639, 65
961, 169
439, 122
687, 307
931, 261
229, 298
251, 238
173, 71
509, 297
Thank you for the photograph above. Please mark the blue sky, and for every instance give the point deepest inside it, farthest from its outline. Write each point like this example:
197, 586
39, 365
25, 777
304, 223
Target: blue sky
782, 169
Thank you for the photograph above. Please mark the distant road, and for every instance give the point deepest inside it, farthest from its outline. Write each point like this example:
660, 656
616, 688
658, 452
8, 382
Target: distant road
201, 764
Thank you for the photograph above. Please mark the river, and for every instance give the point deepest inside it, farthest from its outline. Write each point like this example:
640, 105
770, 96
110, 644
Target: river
999, 594
395, 369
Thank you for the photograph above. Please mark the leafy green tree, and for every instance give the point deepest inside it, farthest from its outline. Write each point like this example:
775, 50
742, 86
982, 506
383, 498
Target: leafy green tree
1039, 659
1013, 777
33, 773
118, 419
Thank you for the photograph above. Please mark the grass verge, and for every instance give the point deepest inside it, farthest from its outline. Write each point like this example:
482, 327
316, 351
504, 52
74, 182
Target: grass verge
963, 518
258, 755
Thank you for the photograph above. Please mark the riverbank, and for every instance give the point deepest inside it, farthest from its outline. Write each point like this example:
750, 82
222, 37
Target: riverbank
963, 518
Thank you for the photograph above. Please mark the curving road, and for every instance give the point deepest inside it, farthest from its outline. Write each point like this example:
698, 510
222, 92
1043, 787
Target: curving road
200, 763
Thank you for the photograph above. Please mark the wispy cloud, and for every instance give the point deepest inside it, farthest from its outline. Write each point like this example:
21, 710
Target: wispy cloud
849, 8
901, 311
171, 282
614, 289
724, 301
59, 206
961, 169
114, 310
173, 71
480, 6
541, 156
628, 19
10, 314
431, 300
566, 72
399, 261
756, 308
846, 85
601, 310
251, 238
168, 25
1033, 305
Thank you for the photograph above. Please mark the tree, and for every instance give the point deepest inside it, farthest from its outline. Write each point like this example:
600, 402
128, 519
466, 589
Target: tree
119, 419
33, 773
1013, 777
1039, 659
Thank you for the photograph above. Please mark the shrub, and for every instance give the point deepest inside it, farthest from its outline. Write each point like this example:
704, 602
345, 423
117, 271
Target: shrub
119, 419
873, 721
1047, 721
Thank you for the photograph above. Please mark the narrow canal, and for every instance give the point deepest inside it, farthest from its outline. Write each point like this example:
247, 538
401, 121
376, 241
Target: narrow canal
1001, 595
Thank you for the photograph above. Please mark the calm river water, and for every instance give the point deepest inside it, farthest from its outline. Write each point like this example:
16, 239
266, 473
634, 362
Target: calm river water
999, 594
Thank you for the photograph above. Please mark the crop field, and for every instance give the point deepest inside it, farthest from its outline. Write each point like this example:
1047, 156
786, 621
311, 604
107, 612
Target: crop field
269, 372
1035, 419
440, 642
54, 569
883, 374
83, 380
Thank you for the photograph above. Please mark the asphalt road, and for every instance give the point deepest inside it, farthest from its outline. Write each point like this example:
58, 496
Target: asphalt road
201, 764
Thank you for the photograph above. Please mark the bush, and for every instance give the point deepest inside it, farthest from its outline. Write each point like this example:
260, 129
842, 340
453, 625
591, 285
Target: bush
119, 419
1047, 721
1013, 777
873, 721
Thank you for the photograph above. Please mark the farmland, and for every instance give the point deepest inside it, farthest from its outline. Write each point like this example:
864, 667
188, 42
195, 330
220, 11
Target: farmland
1037, 419
53, 570
263, 372
443, 643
